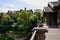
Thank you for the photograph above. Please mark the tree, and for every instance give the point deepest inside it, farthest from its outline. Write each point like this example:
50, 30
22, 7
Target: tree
33, 21
11, 21
23, 17
39, 14
27, 19
5, 19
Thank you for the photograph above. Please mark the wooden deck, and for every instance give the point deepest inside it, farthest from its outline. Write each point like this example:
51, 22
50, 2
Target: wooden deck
53, 33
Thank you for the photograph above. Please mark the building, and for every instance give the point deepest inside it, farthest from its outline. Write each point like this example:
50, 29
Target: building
52, 13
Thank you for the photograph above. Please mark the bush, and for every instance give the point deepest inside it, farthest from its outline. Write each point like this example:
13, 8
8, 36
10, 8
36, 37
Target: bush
6, 38
5, 28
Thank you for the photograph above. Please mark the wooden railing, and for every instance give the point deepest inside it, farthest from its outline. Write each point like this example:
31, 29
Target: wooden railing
38, 33
33, 36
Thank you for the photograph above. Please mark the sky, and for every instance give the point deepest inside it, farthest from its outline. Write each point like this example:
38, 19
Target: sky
6, 5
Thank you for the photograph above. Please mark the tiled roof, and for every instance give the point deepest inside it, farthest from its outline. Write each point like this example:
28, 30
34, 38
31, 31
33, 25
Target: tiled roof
54, 4
48, 9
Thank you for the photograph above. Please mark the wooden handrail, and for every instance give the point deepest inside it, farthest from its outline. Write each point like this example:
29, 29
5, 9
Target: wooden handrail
33, 36
37, 32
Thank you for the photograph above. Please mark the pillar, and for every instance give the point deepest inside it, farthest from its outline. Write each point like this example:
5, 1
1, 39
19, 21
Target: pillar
49, 19
59, 14
54, 19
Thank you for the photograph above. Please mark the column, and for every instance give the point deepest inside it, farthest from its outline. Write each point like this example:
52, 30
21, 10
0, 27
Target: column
49, 19
59, 14
54, 19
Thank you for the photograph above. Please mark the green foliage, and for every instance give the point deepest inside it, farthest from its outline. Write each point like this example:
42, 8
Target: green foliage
6, 38
20, 20
11, 21
33, 21
23, 17
39, 14
33, 17
4, 28
5, 17
7, 20
17, 32
27, 19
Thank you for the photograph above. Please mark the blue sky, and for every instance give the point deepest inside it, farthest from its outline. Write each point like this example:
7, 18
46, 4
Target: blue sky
6, 5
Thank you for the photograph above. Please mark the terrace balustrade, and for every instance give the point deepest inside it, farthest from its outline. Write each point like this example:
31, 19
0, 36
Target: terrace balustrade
39, 33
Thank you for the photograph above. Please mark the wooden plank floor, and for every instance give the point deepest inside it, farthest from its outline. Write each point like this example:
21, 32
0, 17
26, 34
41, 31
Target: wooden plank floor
53, 33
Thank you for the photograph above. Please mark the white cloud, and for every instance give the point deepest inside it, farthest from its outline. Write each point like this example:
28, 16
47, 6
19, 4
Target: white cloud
9, 5
5, 9
37, 3
30, 4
